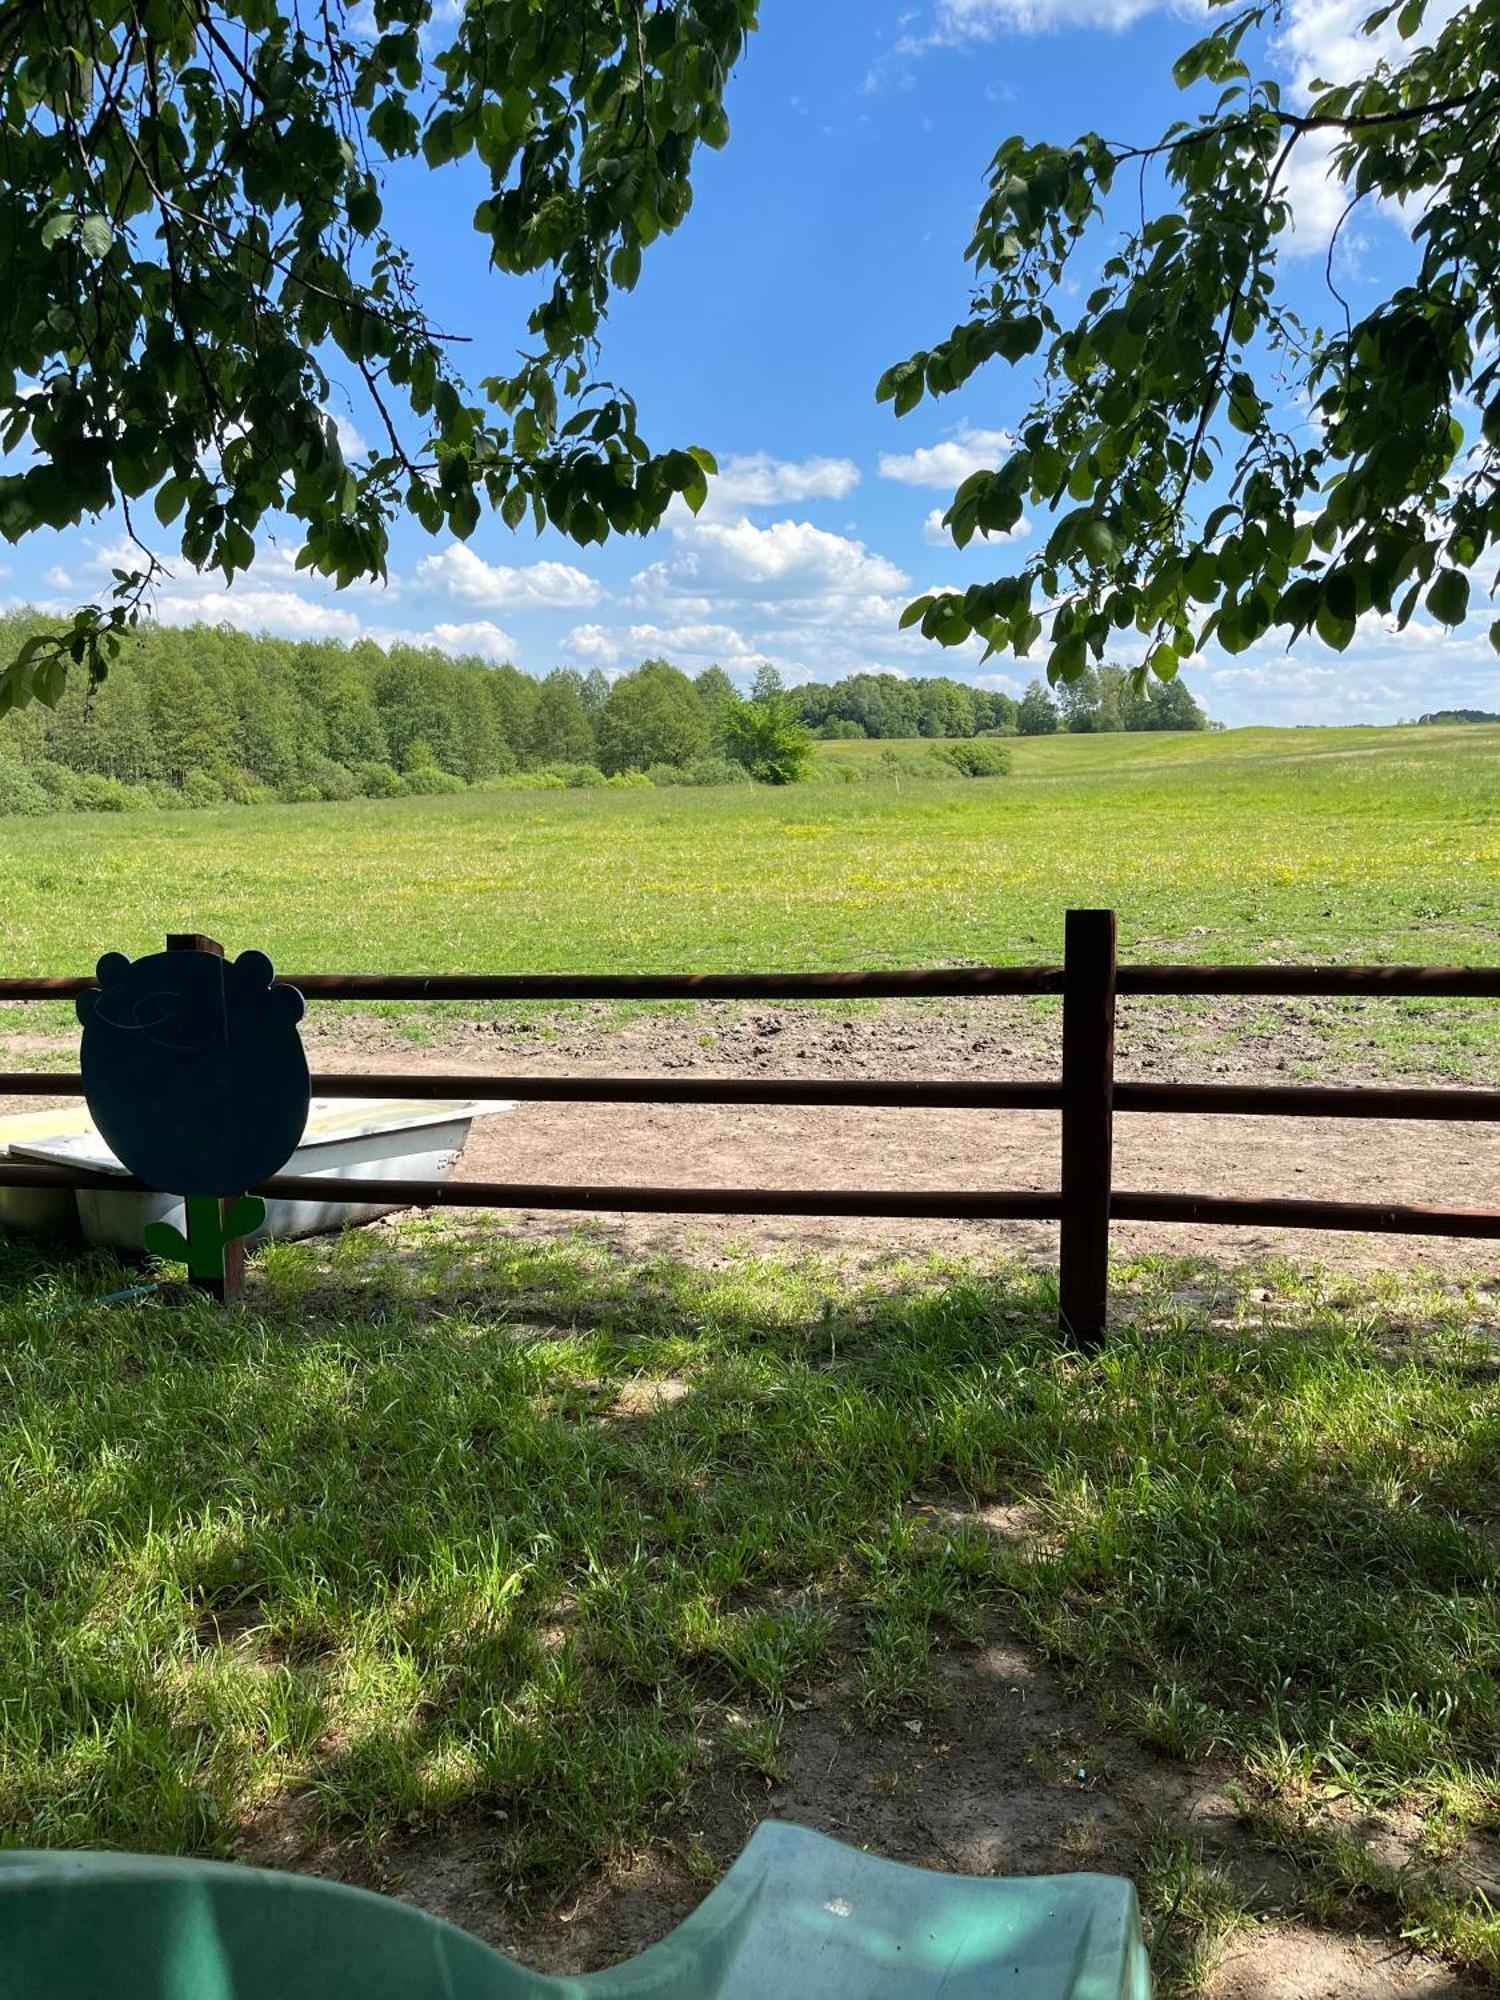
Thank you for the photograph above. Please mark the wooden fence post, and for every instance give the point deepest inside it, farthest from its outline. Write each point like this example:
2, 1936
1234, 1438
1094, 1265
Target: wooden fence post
1088, 1084
233, 1282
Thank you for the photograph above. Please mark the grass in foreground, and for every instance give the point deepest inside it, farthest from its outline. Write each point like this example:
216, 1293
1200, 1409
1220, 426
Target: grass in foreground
470, 1527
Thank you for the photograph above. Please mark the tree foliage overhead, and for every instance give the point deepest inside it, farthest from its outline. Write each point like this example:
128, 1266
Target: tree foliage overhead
1217, 467
192, 234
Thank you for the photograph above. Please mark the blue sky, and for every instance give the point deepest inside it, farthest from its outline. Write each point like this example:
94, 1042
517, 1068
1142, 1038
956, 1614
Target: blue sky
825, 242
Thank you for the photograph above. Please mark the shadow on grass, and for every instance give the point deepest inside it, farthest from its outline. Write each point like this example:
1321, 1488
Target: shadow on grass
446, 1526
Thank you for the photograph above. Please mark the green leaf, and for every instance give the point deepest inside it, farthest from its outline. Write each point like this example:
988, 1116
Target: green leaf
96, 234
244, 1216
463, 512
1448, 599
625, 267
168, 504
1332, 629
1097, 541
1202, 577
364, 206
1069, 658
1244, 404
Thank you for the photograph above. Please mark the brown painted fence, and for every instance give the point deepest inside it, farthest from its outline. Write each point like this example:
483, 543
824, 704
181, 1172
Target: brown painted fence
1086, 1095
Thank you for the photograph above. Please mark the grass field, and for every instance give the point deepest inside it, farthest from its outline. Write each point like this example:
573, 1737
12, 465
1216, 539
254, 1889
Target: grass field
1299, 844
449, 1537
1341, 844
544, 1554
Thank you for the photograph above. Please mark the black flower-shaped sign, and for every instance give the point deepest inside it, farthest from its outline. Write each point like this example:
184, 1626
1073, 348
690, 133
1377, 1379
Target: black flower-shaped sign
194, 1070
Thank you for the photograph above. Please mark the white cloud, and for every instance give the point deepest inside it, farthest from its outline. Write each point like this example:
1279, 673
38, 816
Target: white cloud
934, 533
251, 603
592, 642
1321, 41
811, 602
789, 563
755, 479
253, 607
1383, 676
723, 643
482, 637
187, 596
948, 464
956, 22
457, 572
1318, 197
998, 683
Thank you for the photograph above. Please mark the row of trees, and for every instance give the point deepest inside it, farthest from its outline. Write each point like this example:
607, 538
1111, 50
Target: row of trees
888, 705
1106, 699
884, 705
1098, 700
209, 713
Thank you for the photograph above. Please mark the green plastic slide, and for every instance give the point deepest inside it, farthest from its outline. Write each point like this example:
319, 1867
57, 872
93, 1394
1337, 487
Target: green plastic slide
797, 1917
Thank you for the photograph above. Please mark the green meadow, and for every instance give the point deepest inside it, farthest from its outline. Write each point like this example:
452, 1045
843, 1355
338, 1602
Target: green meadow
1356, 844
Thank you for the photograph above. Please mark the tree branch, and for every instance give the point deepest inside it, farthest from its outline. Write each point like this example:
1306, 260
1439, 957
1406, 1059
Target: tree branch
1298, 123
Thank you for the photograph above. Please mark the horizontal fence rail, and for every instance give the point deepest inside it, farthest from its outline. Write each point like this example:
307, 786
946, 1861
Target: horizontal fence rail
1088, 1095
1309, 1100
1233, 1101
939, 1204
1390, 982
1330, 982
1238, 1100
946, 983
1292, 1212
902, 1094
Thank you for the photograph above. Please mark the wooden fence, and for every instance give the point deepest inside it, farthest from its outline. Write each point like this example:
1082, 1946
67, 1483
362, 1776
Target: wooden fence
1086, 1095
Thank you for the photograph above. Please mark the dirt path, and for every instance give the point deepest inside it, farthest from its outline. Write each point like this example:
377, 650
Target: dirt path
789, 1146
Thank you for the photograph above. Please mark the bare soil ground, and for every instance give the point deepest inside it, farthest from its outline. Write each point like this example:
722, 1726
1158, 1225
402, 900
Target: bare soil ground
1007, 1775
789, 1146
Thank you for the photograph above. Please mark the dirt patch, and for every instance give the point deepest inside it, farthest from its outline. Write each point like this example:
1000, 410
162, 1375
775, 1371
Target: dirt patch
1006, 1775
799, 1147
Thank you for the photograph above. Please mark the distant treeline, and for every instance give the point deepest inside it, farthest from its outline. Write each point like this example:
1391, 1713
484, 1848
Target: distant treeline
1460, 715
884, 705
204, 714
889, 705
